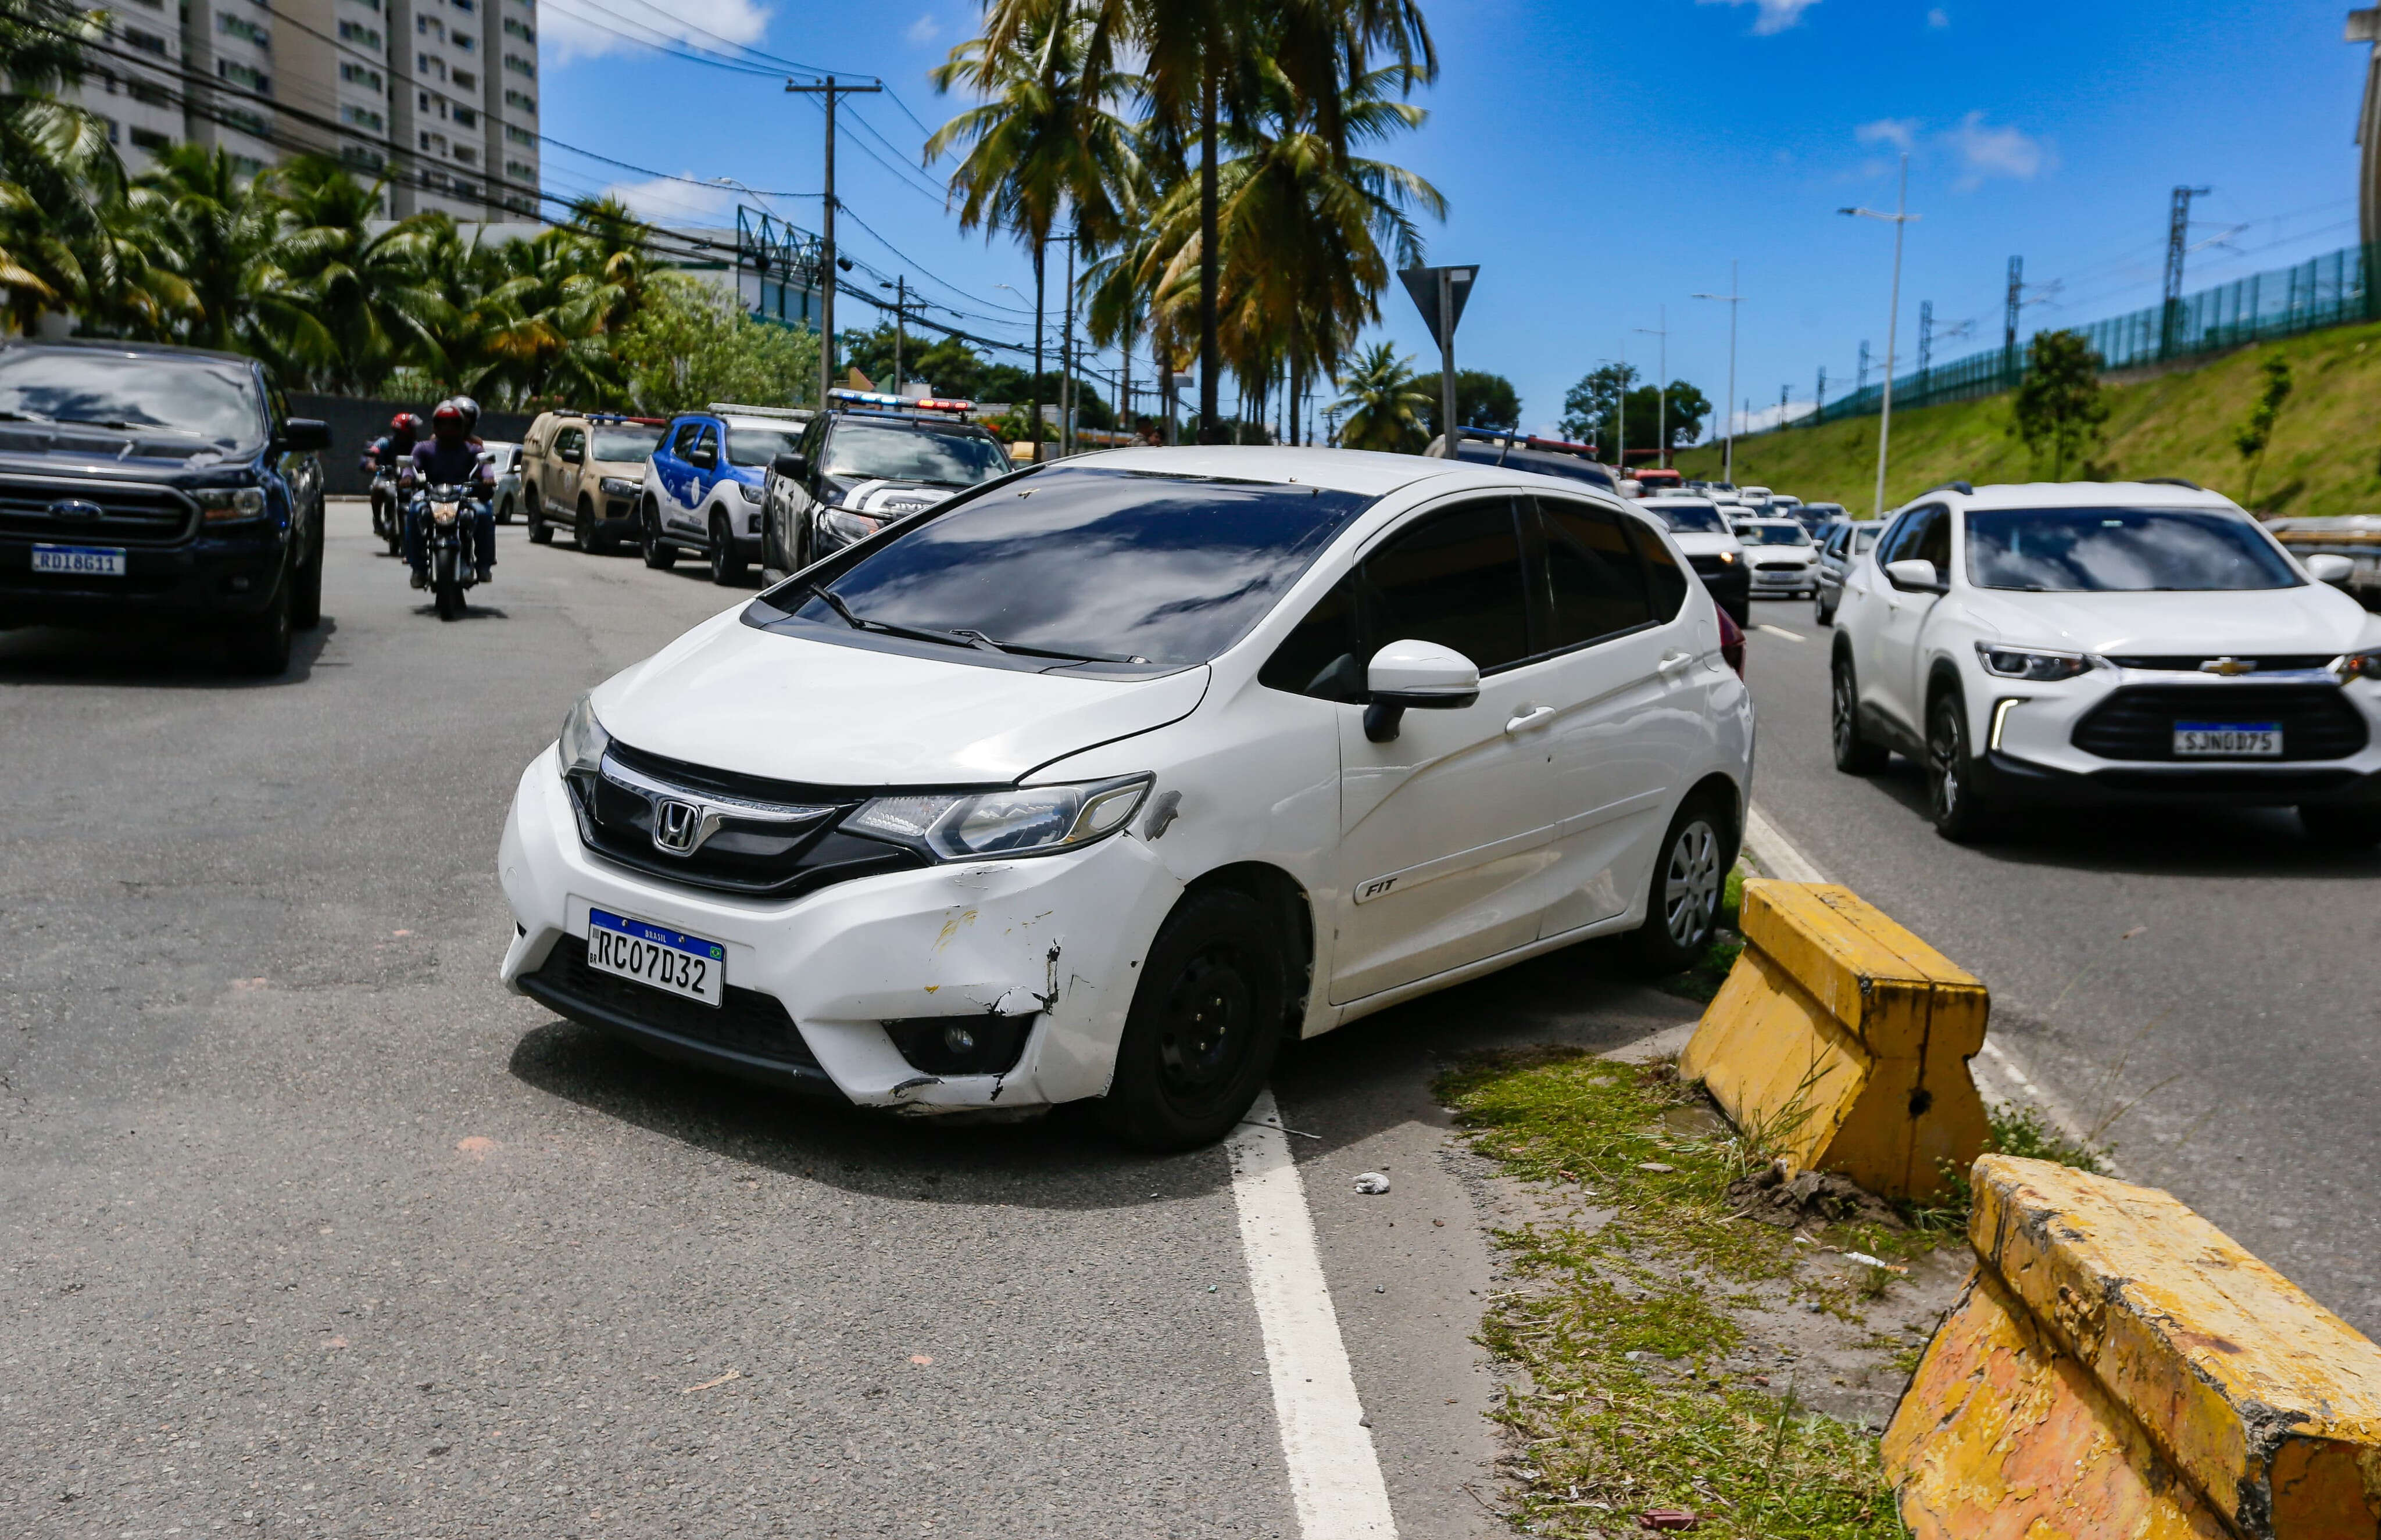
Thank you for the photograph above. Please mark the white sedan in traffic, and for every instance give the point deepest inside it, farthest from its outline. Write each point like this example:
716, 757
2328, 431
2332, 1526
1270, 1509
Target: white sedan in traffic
2089, 643
1099, 780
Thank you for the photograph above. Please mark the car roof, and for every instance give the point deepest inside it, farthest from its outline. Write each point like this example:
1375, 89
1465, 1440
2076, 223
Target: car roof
1367, 472
2077, 494
142, 349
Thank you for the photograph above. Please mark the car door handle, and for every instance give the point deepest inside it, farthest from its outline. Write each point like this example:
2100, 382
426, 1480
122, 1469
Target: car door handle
1673, 661
1529, 717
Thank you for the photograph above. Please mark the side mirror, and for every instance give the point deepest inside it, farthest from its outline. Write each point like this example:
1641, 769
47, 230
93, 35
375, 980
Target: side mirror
1914, 575
1415, 675
2330, 569
791, 466
572, 456
301, 435
703, 459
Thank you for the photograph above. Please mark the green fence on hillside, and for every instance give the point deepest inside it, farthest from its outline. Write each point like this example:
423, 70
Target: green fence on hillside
2334, 290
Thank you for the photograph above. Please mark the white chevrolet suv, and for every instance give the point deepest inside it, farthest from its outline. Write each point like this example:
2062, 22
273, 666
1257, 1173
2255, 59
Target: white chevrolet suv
2089, 643
1101, 779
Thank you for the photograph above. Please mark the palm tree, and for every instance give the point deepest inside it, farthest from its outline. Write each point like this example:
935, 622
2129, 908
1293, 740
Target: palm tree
1383, 407
370, 296
1044, 145
218, 233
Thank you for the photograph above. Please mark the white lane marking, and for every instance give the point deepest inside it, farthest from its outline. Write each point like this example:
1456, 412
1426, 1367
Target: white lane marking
1780, 631
1779, 856
1335, 1475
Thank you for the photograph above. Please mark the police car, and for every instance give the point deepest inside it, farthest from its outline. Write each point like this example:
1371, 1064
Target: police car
869, 459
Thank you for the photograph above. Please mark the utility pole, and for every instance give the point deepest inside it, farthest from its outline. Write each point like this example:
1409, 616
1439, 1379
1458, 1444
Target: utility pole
1863, 382
900, 287
2365, 26
1926, 346
1067, 359
1727, 456
1661, 389
1620, 412
1784, 398
2178, 241
1819, 398
1899, 219
2010, 307
828, 89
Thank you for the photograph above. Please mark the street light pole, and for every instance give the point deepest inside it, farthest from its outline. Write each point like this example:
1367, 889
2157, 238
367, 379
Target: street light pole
1899, 219
1728, 402
828, 89
1661, 389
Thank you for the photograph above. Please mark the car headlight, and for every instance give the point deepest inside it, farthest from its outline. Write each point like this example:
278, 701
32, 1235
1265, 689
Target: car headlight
843, 525
2043, 668
583, 740
751, 491
1035, 821
1728, 558
2358, 665
619, 486
229, 504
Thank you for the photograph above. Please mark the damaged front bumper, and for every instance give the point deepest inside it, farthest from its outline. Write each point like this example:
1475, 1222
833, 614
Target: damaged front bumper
883, 990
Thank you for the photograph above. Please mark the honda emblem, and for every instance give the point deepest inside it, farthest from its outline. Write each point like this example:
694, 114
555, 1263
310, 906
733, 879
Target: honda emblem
677, 826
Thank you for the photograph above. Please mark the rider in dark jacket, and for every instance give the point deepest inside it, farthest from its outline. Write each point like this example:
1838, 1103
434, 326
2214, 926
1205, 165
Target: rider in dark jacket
450, 457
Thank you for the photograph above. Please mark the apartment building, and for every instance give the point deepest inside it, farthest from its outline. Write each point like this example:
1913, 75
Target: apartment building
440, 97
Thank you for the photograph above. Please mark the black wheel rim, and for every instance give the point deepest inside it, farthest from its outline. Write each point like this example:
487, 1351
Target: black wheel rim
1207, 1029
1691, 880
1943, 762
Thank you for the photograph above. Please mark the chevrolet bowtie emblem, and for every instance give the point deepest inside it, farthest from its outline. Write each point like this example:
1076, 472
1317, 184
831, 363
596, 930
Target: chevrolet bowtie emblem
2231, 668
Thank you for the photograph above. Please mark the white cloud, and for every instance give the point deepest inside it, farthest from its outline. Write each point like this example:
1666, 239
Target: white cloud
1899, 132
581, 37
1985, 152
923, 30
1938, 17
666, 201
1775, 14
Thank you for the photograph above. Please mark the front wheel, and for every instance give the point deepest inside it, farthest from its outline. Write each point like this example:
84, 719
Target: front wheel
583, 530
726, 561
1959, 812
660, 555
260, 645
1206, 1020
2341, 827
1689, 881
307, 608
1854, 754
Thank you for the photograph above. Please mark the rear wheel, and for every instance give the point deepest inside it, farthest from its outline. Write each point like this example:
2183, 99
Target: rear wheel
726, 561
1206, 1021
2350, 827
1959, 812
1689, 881
539, 532
1854, 754
660, 555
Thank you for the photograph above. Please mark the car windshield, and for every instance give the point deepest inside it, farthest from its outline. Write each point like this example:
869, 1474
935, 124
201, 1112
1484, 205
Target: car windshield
2120, 550
626, 445
881, 451
1112, 566
203, 399
1773, 534
758, 446
1691, 518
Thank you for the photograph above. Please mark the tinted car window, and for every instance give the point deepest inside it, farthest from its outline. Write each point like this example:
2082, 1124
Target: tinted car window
567, 440
682, 441
1089, 563
2128, 550
1455, 579
1666, 581
1323, 656
634, 445
207, 401
1932, 542
1597, 582
758, 446
1900, 542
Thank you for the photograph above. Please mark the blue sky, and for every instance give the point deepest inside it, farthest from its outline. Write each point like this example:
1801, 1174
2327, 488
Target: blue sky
1603, 162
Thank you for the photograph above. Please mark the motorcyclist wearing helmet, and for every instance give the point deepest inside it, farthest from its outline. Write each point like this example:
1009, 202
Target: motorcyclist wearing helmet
384, 454
451, 457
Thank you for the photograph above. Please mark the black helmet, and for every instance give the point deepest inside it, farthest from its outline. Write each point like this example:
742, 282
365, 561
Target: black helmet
470, 410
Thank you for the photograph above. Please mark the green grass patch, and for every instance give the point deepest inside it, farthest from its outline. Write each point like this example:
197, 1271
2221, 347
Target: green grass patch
2018, 1131
1604, 1436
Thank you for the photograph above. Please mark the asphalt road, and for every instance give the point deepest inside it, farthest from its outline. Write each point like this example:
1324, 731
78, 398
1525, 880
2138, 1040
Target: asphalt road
307, 1228
2202, 986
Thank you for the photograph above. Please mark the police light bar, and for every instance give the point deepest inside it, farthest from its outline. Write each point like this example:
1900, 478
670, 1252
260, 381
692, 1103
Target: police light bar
866, 398
938, 404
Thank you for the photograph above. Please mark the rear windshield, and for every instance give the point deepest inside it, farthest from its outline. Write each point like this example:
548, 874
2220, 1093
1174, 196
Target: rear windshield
1690, 518
1773, 534
631, 445
2120, 550
204, 400
1068, 565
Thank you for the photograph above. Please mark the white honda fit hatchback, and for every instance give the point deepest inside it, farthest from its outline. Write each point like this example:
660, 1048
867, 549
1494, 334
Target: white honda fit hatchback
1096, 781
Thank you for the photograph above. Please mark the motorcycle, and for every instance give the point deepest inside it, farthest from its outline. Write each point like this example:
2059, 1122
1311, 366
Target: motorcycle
446, 514
388, 518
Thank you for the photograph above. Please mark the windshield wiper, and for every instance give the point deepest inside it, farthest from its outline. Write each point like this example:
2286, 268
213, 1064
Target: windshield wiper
977, 638
859, 621
25, 417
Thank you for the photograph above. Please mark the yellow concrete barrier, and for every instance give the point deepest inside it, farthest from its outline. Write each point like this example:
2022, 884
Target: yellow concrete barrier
1842, 1041
2118, 1367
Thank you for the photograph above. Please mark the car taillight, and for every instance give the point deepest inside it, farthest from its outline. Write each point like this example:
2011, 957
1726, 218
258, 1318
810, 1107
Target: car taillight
1731, 642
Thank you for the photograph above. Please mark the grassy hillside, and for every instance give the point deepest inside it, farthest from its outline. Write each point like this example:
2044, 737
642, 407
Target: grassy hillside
2325, 456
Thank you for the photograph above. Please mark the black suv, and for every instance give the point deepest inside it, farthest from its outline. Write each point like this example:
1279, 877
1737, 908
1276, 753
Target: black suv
860, 467
140, 479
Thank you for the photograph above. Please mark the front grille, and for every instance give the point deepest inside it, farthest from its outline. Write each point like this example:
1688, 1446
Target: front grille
753, 853
749, 1023
2317, 721
2188, 662
129, 513
1781, 566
